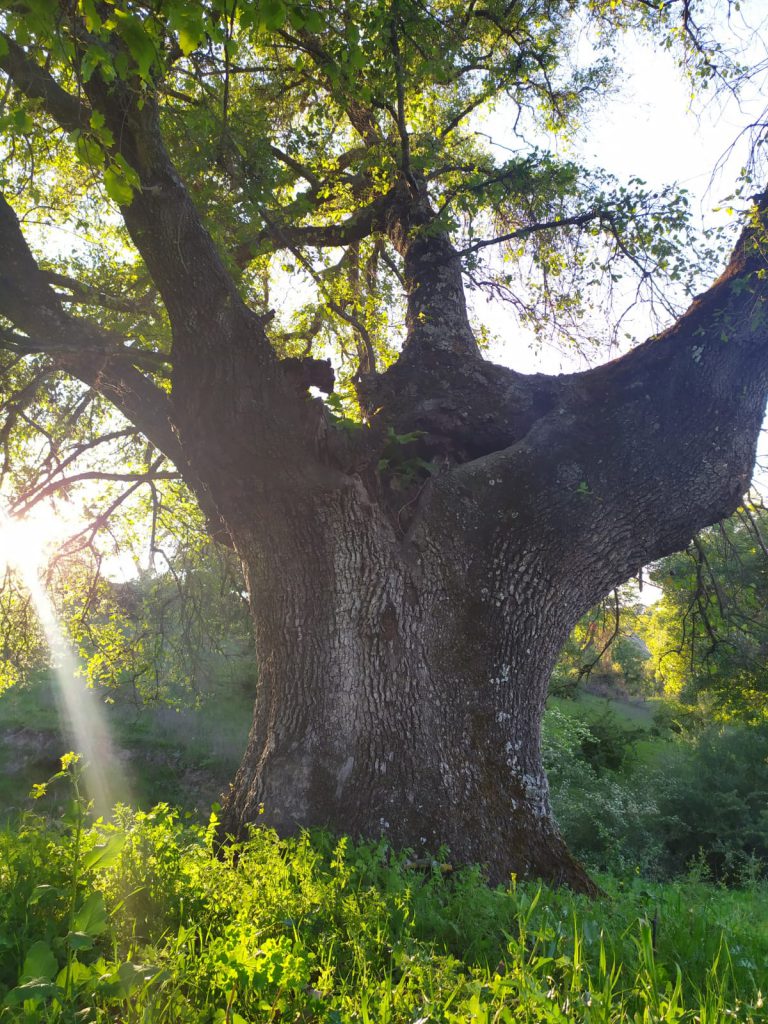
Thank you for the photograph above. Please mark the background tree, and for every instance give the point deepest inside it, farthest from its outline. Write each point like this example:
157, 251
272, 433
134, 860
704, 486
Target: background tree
605, 648
708, 634
417, 549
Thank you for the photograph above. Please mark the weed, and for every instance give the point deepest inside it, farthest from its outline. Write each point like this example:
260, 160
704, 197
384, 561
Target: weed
144, 922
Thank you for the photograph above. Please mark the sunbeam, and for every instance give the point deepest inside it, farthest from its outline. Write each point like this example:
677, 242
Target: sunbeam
24, 548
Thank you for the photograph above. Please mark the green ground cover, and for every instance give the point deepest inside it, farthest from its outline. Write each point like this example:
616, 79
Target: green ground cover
139, 920
184, 756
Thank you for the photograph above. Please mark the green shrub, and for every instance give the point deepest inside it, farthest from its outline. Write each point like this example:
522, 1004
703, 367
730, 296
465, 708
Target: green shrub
607, 814
713, 802
695, 799
146, 923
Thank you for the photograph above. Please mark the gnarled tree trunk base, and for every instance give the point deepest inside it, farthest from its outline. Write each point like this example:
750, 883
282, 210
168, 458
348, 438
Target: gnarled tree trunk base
401, 690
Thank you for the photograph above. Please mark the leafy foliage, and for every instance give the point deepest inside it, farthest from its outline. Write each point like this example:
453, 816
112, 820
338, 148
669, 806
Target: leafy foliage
605, 645
335, 931
629, 800
708, 634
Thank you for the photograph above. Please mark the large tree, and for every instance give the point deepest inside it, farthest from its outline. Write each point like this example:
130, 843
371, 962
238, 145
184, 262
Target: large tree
416, 548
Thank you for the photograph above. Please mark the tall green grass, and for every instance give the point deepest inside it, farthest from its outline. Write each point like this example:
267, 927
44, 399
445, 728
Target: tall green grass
141, 921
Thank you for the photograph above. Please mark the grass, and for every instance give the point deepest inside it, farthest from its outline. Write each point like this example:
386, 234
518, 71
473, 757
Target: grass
141, 921
185, 757
138, 920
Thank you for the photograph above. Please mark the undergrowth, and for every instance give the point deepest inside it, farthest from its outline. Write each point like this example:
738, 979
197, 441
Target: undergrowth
141, 921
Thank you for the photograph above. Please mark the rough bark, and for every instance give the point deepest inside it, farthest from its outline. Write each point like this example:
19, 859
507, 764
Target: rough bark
400, 692
406, 625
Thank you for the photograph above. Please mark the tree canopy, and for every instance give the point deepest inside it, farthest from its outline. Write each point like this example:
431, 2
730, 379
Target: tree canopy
294, 127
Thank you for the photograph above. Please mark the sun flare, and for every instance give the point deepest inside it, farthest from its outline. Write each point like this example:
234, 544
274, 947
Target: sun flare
28, 543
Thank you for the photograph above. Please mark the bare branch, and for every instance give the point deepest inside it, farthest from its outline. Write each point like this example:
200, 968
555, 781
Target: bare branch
577, 220
77, 478
585, 670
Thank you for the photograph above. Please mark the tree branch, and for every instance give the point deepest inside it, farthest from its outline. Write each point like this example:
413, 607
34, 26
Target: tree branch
402, 127
577, 220
87, 295
586, 669
65, 483
36, 83
162, 221
109, 347
97, 358
362, 223
296, 166
639, 454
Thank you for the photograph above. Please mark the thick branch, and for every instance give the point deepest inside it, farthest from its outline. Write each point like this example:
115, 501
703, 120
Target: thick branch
161, 219
362, 223
37, 84
629, 460
88, 295
77, 346
108, 346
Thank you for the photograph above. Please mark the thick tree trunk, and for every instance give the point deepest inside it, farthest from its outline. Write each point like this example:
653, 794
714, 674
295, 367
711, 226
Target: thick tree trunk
402, 681
406, 633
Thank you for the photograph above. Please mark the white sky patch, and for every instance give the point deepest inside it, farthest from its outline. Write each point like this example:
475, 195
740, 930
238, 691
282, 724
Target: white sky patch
647, 129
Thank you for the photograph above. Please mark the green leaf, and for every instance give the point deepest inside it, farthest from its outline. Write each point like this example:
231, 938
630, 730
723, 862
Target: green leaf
133, 976
138, 41
35, 990
39, 963
188, 40
79, 940
105, 854
273, 14
314, 22
91, 918
79, 974
100, 130
90, 153
117, 187
221, 1015
96, 56
22, 121
186, 20
41, 891
90, 15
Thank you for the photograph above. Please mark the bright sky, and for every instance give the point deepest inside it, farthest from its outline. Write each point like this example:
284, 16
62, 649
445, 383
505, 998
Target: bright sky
647, 130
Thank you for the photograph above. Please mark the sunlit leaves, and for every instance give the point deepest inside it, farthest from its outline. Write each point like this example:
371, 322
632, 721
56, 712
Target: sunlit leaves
238, 81
709, 632
120, 180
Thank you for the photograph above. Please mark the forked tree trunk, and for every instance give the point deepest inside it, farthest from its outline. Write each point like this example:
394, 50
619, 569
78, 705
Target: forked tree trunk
402, 682
405, 645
